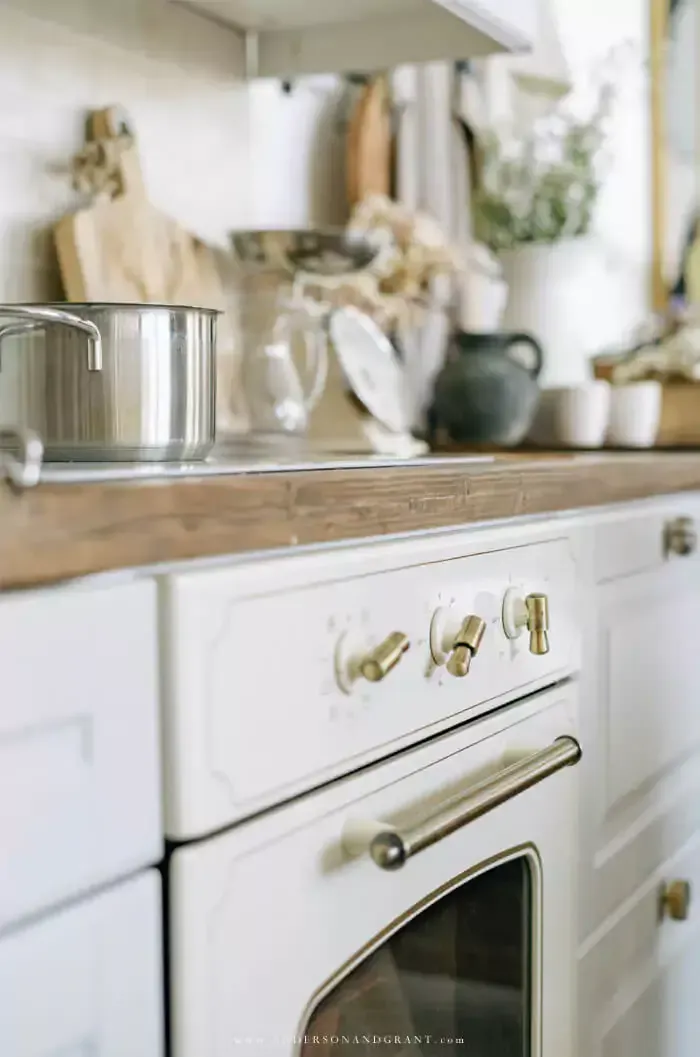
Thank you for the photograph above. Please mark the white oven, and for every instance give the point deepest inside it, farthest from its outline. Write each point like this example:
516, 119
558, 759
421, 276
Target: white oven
424, 905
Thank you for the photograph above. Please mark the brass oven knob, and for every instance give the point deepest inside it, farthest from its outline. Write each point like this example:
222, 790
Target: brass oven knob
466, 646
680, 537
675, 900
377, 665
531, 613
538, 623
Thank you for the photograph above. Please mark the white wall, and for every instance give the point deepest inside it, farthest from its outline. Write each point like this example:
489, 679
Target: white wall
178, 76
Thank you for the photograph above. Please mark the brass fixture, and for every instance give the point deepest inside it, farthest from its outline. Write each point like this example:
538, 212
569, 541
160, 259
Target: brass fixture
454, 641
390, 847
531, 613
674, 901
355, 659
680, 537
377, 665
466, 646
538, 623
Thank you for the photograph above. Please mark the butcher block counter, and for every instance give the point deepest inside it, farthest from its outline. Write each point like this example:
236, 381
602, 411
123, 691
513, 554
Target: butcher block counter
72, 526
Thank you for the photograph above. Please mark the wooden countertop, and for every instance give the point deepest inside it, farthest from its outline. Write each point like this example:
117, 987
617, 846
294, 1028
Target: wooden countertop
58, 531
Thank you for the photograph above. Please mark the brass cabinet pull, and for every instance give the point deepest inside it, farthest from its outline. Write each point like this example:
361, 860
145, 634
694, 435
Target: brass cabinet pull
674, 901
389, 848
680, 537
377, 665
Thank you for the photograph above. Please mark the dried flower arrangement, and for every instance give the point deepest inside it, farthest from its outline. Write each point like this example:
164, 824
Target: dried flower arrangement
541, 185
413, 252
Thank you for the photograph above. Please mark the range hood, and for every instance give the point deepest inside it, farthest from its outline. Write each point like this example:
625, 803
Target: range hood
289, 38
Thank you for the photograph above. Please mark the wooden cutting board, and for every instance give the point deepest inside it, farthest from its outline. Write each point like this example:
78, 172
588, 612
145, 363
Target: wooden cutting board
369, 144
121, 248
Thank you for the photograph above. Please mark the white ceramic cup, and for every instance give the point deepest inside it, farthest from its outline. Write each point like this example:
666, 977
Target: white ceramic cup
580, 414
635, 414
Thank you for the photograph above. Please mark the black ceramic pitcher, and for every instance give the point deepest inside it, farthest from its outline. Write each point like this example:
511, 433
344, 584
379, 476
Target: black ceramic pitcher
486, 392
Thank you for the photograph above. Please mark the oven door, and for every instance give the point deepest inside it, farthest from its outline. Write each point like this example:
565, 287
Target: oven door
424, 906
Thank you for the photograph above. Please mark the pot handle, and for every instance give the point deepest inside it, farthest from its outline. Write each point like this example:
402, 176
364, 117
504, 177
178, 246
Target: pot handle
527, 339
34, 314
13, 330
21, 464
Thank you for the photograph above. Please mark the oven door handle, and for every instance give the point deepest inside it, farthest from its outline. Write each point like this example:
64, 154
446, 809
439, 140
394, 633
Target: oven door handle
390, 848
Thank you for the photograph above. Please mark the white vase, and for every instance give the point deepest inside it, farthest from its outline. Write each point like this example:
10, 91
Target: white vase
564, 294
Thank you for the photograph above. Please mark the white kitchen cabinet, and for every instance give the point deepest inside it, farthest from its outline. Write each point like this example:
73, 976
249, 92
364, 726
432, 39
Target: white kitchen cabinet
638, 981
641, 722
640, 785
80, 796
87, 979
663, 1021
293, 37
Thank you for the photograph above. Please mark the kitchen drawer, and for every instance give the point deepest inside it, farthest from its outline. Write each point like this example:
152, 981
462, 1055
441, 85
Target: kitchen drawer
638, 976
633, 538
253, 709
79, 757
86, 979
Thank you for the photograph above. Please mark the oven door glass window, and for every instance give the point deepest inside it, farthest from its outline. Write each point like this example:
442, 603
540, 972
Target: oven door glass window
455, 979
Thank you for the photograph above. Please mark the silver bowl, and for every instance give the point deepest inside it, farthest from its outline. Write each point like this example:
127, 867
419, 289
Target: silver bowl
324, 252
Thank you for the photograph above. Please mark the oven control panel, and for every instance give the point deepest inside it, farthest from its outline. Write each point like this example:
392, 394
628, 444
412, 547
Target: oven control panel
278, 687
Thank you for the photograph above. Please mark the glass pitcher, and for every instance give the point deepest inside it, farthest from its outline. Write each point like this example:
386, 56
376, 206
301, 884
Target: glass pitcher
280, 393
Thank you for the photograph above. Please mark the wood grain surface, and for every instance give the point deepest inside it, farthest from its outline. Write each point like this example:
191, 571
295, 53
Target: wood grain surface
56, 532
123, 249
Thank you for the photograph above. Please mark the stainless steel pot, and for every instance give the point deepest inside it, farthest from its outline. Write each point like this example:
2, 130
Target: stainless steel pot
109, 382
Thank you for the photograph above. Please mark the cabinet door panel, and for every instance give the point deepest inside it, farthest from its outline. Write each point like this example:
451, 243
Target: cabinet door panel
638, 991
641, 733
664, 1020
80, 790
650, 670
87, 980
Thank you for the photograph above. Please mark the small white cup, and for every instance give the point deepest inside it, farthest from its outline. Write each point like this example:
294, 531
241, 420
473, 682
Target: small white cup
580, 414
635, 414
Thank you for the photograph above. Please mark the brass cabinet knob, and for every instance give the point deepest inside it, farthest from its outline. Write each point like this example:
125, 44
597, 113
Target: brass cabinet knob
531, 614
674, 901
466, 646
680, 537
377, 665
